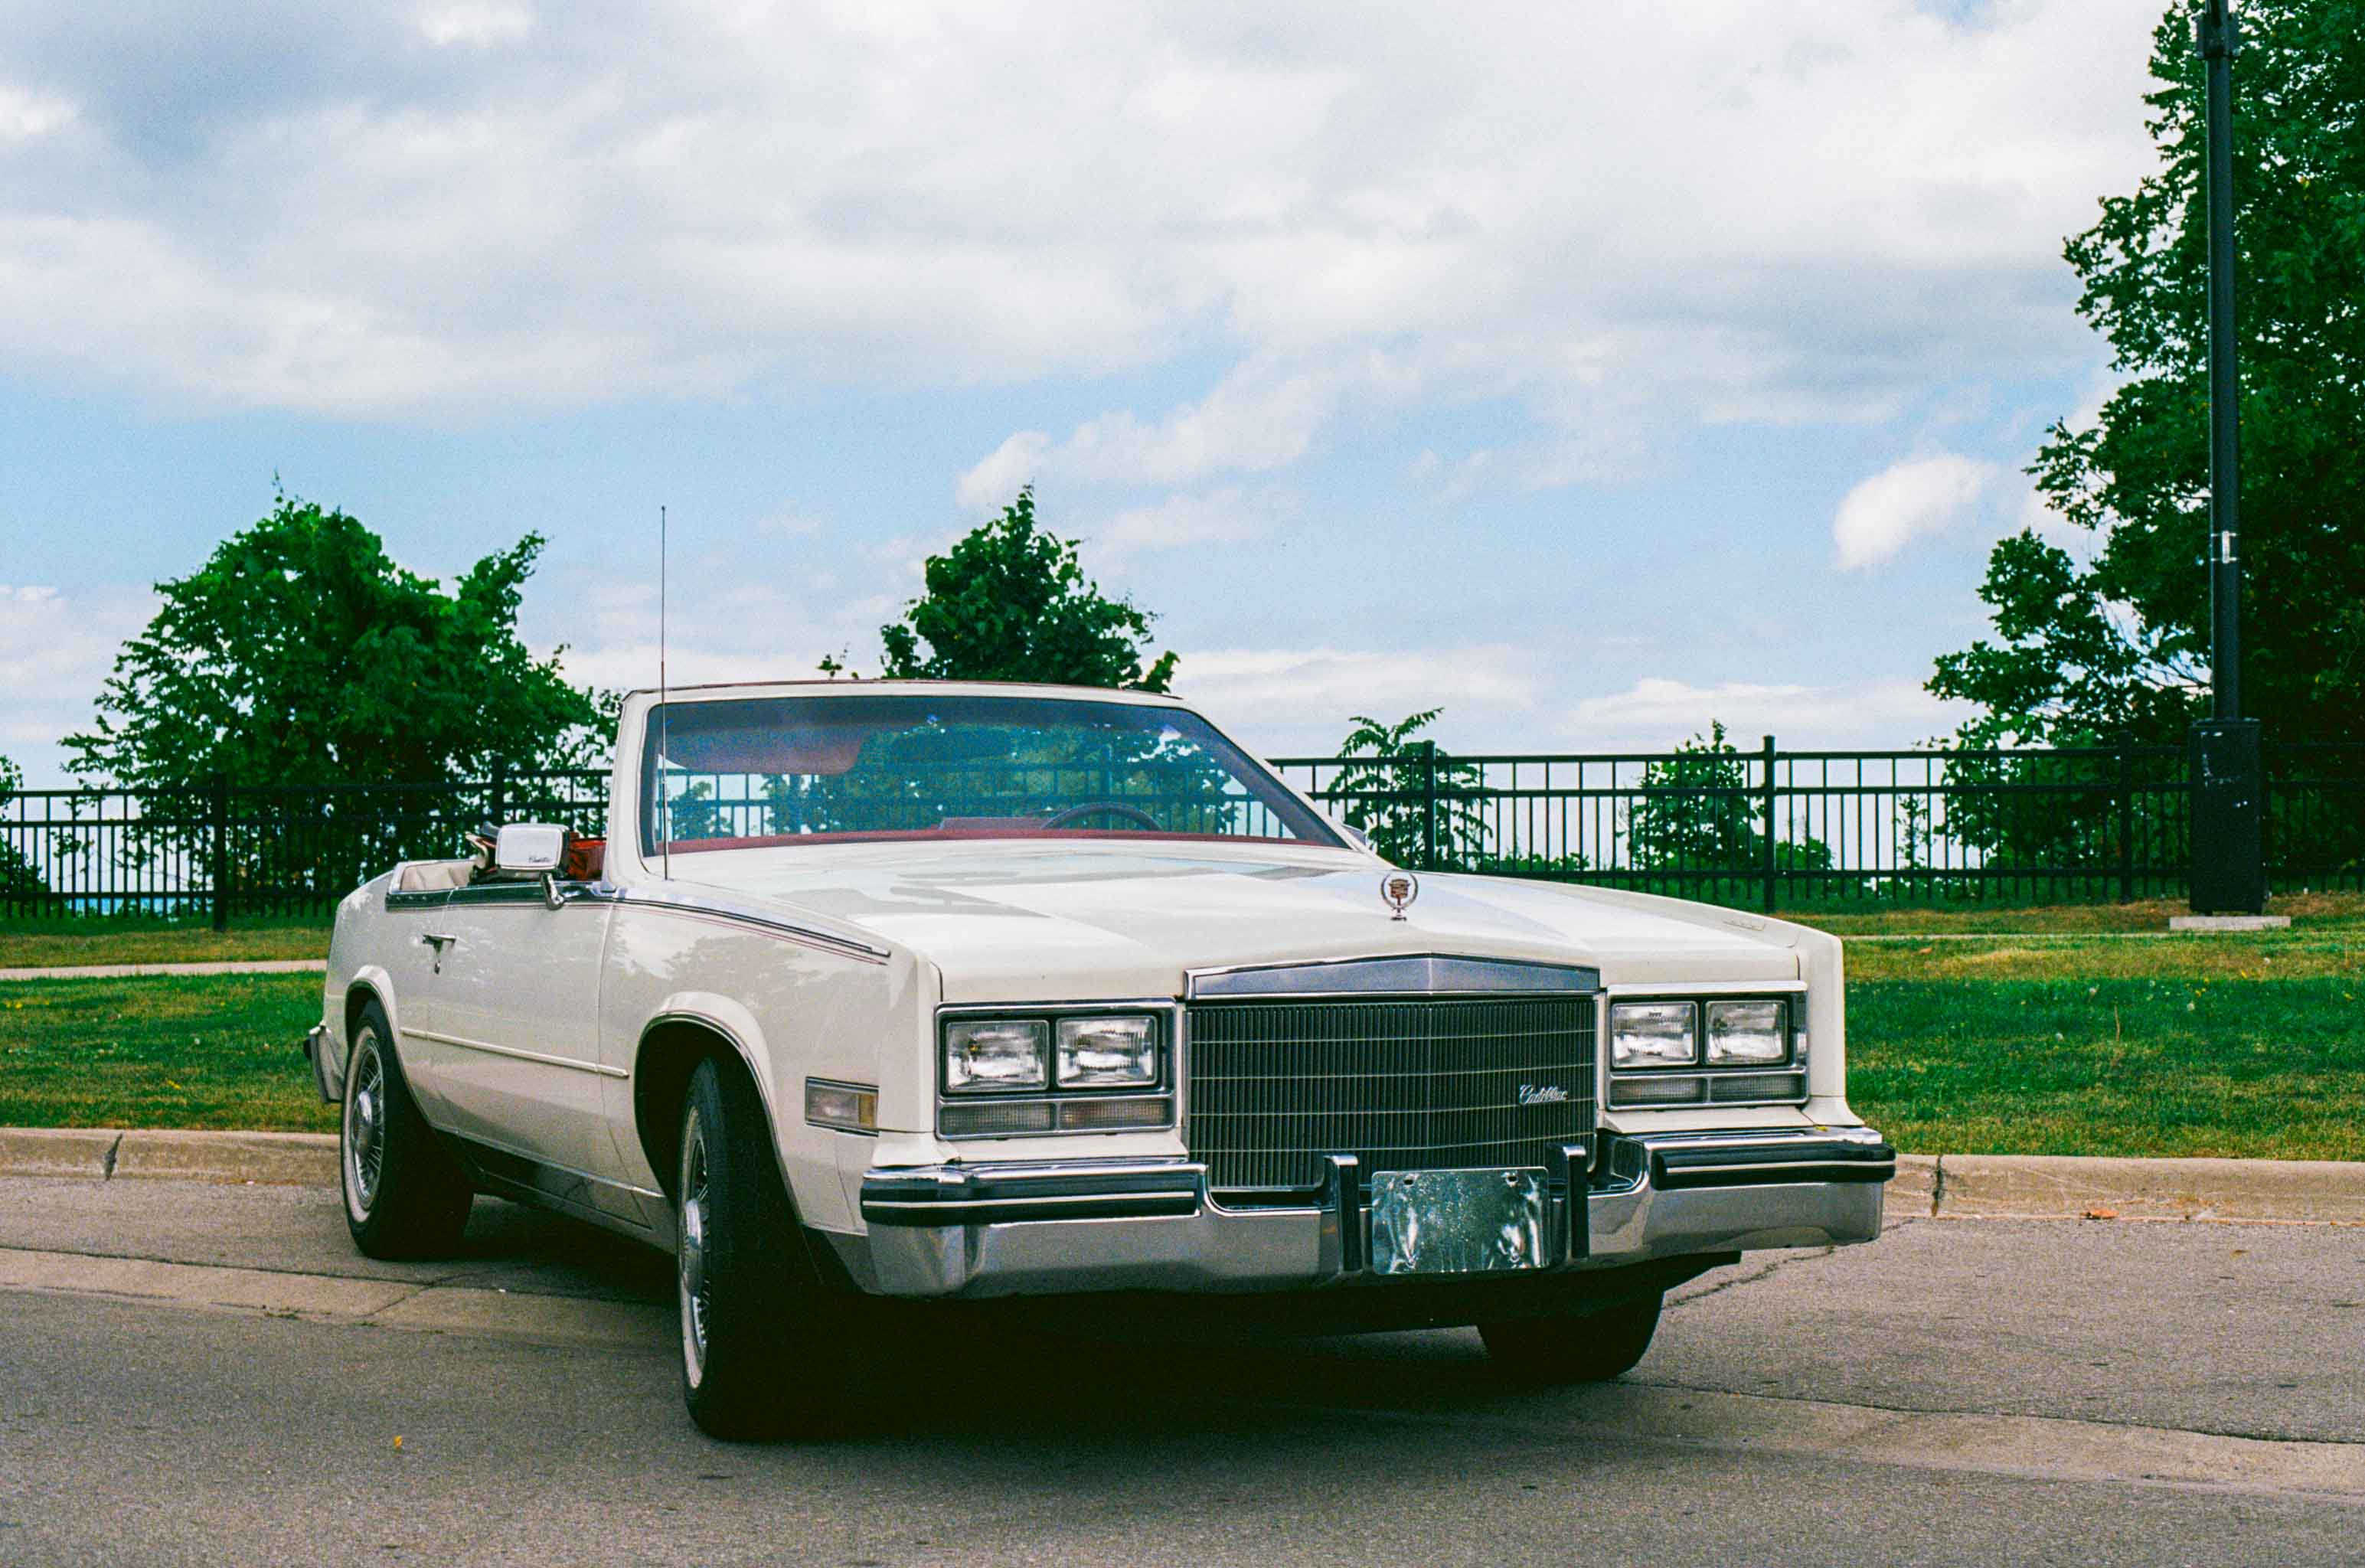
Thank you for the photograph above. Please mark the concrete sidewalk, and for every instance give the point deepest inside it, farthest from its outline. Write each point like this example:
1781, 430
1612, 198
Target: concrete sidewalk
122, 971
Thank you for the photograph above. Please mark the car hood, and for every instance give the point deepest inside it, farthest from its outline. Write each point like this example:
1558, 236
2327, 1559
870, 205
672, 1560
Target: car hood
1046, 922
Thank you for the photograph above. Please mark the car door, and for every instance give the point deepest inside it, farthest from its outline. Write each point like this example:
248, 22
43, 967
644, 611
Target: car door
513, 1028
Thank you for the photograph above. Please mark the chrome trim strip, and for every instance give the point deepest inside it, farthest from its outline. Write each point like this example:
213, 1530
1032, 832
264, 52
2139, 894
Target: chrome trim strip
602, 1068
1756, 1138
1406, 974
316, 1041
471, 1142
828, 941
940, 1195
955, 1208
1769, 1159
1763, 1164
1343, 1241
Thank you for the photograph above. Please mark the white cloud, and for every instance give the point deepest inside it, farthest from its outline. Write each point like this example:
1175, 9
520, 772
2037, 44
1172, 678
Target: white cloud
55, 652
1658, 713
1258, 419
1225, 515
1909, 500
478, 26
695, 200
1299, 698
25, 115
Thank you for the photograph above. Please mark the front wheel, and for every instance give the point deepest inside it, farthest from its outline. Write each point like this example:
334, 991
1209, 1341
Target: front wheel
405, 1195
1547, 1351
766, 1349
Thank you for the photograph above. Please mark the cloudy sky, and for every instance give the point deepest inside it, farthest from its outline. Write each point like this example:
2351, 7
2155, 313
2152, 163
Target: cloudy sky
1591, 371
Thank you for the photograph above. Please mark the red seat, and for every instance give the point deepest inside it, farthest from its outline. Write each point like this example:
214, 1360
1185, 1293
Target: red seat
587, 859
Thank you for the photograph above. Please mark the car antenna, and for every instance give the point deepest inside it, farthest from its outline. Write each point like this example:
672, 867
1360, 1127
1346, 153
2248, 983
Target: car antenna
664, 714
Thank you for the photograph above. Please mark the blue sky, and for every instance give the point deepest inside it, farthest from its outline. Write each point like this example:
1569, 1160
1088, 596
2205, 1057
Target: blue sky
1592, 376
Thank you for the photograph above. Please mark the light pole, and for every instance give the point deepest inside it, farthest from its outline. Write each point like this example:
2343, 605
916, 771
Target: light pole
2228, 773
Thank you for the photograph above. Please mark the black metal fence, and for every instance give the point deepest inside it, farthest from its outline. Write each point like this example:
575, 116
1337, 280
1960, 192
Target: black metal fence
275, 850
1762, 827
1776, 829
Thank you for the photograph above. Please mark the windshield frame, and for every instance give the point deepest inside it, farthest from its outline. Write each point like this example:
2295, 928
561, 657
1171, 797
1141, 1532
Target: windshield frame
1263, 785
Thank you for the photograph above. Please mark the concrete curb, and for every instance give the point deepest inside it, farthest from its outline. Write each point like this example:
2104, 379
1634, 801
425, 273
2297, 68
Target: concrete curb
298, 1159
1989, 1185
1950, 1186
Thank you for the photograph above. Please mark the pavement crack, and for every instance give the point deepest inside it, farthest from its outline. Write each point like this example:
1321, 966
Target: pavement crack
1750, 1279
408, 1296
1984, 1412
1937, 1184
107, 1163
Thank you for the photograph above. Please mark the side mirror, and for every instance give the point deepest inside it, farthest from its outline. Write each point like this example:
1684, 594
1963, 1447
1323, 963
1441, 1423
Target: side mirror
528, 849
534, 849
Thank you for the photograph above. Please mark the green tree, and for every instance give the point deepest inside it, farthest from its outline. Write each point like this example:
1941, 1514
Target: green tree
301, 655
1700, 811
2115, 646
299, 652
20, 880
1010, 602
1384, 778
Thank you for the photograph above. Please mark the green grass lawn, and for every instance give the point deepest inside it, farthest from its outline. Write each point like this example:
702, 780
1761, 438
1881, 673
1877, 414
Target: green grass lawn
29, 943
2169, 1066
160, 1051
2247, 1045
150, 939
2313, 911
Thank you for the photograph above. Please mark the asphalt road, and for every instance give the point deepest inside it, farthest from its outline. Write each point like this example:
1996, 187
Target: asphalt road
1960, 1392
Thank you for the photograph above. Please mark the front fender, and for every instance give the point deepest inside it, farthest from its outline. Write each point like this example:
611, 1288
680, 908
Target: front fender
735, 1021
379, 984
807, 1163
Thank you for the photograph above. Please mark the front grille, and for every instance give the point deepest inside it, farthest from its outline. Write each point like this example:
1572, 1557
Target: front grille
1417, 1084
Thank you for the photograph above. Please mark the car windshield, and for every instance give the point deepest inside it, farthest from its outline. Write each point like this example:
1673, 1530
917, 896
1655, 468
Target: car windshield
753, 772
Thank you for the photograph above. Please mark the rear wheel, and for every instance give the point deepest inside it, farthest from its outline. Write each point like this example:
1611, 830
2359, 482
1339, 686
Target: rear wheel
768, 1349
1543, 1352
405, 1195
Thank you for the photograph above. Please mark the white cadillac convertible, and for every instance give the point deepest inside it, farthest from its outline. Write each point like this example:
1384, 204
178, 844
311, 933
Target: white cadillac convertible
911, 990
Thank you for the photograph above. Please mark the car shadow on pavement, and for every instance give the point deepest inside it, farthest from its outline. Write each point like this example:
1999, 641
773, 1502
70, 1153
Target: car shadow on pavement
987, 1359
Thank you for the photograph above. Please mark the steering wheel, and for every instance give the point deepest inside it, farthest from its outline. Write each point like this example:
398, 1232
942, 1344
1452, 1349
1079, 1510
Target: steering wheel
1096, 808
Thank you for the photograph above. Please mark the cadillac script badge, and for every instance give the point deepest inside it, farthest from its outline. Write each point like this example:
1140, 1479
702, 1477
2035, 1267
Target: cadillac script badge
1399, 889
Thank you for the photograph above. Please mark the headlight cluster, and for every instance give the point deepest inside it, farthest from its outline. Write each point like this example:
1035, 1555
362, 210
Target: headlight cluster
1065, 1072
1707, 1050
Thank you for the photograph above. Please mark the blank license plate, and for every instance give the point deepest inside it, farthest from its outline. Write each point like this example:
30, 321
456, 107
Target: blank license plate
1457, 1222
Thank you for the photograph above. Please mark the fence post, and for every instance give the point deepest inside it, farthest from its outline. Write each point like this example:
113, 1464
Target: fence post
221, 852
1767, 807
2127, 827
501, 801
1429, 805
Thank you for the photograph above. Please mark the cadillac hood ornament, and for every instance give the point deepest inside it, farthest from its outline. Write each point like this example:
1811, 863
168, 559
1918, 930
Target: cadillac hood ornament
1397, 890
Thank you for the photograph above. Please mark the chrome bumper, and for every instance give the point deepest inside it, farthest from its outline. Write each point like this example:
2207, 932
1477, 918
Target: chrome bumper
1053, 1229
319, 1049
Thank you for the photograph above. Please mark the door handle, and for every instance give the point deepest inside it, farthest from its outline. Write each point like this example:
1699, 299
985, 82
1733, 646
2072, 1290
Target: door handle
442, 942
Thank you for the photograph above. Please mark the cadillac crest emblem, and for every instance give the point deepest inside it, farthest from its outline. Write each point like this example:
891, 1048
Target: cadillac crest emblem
1399, 889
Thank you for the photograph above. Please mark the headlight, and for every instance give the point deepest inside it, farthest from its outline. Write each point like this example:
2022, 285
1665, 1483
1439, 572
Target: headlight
1652, 1034
1107, 1053
987, 1055
1746, 1033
